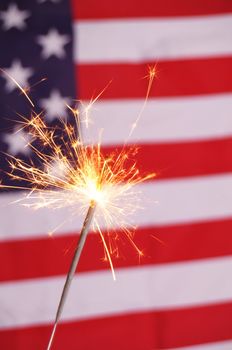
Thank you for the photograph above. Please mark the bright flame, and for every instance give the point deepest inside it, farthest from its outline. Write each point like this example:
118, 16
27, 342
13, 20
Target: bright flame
75, 175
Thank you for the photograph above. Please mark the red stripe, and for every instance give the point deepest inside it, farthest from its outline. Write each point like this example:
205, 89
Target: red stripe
207, 76
143, 331
22, 259
171, 160
88, 9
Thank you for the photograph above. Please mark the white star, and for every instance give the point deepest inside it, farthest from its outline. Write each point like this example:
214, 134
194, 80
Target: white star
55, 105
19, 73
18, 142
53, 44
13, 17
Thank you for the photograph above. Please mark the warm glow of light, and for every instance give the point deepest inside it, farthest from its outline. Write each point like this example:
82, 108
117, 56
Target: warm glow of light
74, 175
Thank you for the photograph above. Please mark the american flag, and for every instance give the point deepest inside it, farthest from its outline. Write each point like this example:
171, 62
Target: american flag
179, 296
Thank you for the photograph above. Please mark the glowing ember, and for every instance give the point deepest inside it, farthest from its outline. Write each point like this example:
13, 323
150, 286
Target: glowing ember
73, 174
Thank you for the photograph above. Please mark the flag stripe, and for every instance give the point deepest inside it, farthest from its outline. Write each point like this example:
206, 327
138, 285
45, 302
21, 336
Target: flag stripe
179, 201
132, 331
163, 120
182, 159
180, 243
207, 76
148, 287
87, 9
223, 345
152, 39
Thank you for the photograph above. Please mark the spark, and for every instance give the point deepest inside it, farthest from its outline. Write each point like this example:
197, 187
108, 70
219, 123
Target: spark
86, 109
23, 90
152, 74
81, 178
73, 174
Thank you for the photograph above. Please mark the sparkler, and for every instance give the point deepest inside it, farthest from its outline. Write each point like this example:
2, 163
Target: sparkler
73, 266
83, 179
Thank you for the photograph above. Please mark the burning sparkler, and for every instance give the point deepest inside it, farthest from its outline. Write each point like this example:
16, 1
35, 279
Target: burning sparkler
86, 181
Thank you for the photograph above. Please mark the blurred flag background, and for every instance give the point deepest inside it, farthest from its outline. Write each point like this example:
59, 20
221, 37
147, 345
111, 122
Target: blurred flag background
179, 296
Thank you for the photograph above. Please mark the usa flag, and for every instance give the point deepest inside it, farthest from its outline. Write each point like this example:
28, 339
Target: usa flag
179, 296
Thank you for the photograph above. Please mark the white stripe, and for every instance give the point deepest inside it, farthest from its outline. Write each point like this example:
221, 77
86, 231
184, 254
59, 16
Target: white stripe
95, 294
222, 345
183, 200
134, 40
163, 120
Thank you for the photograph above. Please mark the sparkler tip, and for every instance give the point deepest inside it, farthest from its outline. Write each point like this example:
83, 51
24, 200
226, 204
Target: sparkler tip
92, 203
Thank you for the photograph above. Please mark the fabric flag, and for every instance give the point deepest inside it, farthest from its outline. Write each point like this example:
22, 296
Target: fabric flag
179, 295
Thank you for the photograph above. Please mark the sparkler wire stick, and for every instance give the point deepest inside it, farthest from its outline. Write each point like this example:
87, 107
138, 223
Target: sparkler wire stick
72, 268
